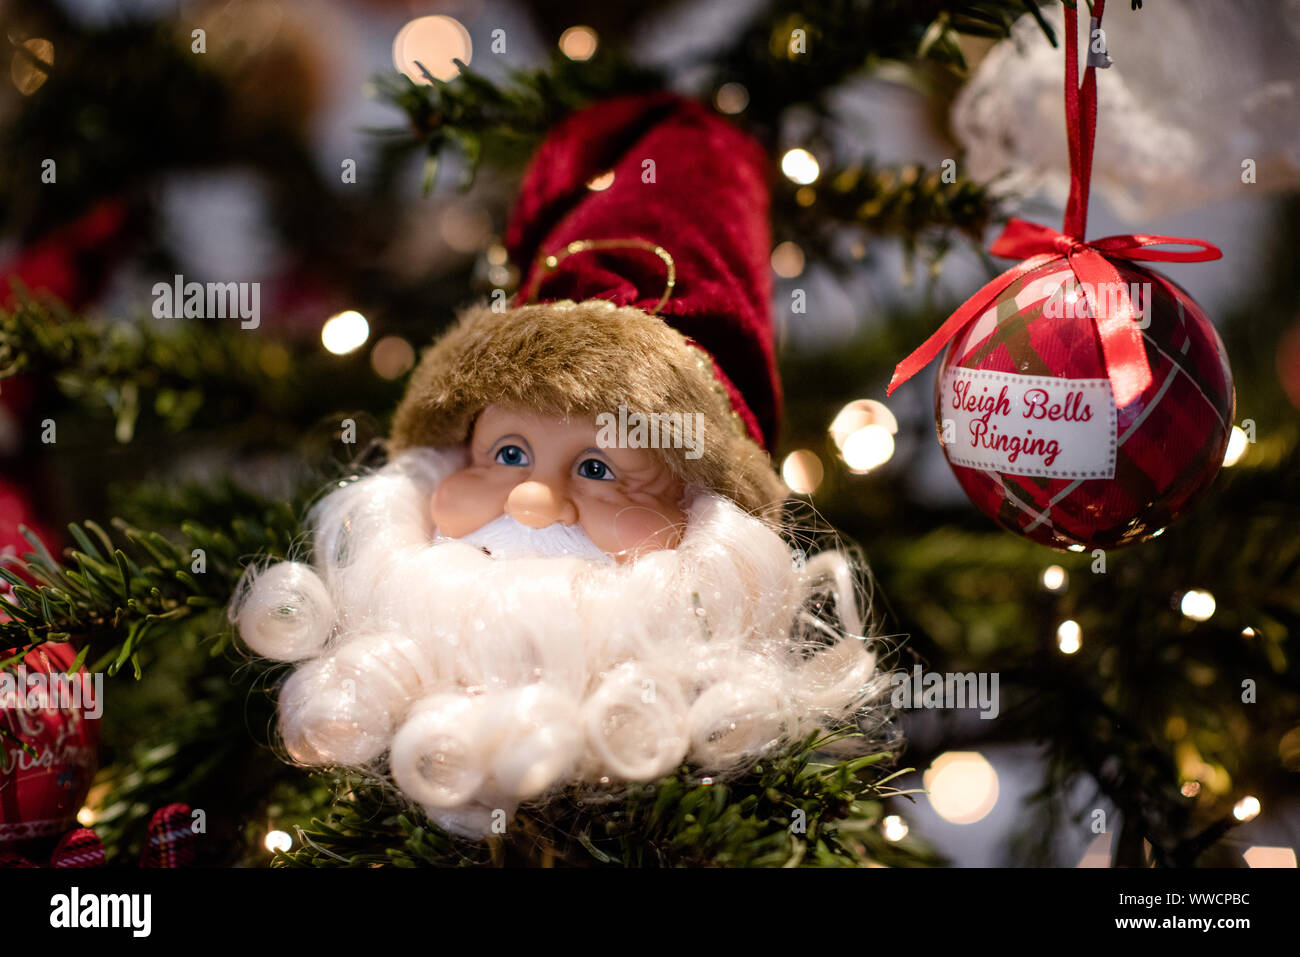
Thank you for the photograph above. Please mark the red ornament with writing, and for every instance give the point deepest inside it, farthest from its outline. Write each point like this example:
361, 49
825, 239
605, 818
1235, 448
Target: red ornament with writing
1083, 400
42, 791
1027, 416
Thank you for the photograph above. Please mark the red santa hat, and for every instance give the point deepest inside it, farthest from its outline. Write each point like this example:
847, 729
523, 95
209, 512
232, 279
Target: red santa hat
643, 233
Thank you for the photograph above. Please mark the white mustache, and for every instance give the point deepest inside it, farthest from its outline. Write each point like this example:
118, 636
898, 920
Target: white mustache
508, 539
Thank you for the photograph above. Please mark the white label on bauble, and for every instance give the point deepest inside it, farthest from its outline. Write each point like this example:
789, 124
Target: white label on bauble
1029, 424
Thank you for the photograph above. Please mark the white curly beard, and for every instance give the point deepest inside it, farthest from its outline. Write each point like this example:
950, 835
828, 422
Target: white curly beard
492, 681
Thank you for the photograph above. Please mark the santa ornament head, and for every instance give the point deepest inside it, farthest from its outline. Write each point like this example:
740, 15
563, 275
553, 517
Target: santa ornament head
649, 293
573, 571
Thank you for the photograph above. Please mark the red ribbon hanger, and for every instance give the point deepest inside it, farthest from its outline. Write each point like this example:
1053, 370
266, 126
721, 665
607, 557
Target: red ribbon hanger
1119, 333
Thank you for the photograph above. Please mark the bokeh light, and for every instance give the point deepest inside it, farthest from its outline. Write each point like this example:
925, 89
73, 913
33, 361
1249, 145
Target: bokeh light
465, 227
895, 828
1238, 442
868, 448
26, 69
800, 166
1069, 636
731, 98
863, 432
787, 260
434, 41
345, 332
1247, 809
1054, 578
1270, 857
859, 414
392, 357
962, 786
1197, 604
803, 471
579, 43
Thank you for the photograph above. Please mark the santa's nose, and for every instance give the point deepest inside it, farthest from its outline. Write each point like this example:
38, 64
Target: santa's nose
539, 504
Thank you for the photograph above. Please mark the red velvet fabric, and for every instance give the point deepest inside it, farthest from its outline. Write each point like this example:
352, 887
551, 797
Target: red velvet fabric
704, 200
73, 261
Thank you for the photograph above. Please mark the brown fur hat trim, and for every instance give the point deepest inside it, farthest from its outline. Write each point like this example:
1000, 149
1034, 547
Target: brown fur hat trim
580, 359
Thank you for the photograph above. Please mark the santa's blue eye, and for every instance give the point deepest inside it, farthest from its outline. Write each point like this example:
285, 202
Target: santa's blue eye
511, 455
595, 469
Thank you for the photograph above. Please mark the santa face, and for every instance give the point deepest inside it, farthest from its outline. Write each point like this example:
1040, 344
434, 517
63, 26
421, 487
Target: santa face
542, 472
479, 682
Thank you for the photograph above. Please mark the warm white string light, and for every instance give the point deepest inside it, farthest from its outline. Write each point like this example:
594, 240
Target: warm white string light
345, 332
1247, 809
1197, 604
864, 431
800, 166
1069, 636
1054, 578
1238, 442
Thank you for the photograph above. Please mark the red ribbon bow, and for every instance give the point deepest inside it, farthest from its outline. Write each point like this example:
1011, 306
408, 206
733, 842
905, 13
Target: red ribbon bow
1120, 335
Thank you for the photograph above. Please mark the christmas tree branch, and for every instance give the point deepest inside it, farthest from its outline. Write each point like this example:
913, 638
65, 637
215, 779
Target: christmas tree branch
922, 207
185, 376
484, 119
793, 51
788, 811
770, 58
116, 594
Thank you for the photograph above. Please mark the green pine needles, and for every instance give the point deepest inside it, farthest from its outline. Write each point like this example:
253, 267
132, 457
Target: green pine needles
791, 811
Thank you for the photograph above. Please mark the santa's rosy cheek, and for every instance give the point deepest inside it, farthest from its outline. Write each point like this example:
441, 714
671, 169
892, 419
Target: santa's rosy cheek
625, 528
465, 501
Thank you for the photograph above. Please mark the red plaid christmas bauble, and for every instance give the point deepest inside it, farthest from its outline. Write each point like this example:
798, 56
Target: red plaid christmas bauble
1028, 422
41, 791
